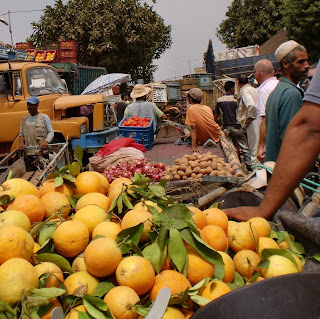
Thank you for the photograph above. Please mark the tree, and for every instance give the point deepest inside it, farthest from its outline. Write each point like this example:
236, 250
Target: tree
250, 22
121, 35
302, 21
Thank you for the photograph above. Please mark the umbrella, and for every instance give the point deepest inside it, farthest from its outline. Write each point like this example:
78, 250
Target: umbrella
105, 81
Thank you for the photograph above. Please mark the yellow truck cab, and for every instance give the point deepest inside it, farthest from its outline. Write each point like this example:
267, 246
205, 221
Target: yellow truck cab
21, 79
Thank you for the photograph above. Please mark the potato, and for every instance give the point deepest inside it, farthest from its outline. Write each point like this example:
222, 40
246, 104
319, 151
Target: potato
229, 174
222, 173
188, 171
183, 167
180, 173
193, 157
177, 161
209, 170
184, 177
203, 171
177, 177
196, 170
209, 153
214, 173
193, 175
205, 159
199, 175
167, 177
203, 164
214, 165
174, 172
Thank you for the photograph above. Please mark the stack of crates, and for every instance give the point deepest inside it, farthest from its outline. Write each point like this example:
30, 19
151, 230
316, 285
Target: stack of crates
24, 46
68, 51
141, 135
173, 92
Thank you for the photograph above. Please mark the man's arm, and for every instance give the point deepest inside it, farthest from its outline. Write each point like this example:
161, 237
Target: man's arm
301, 138
50, 136
262, 140
22, 145
194, 138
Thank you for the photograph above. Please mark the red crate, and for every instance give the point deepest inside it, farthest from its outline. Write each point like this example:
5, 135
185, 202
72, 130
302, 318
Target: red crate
30, 54
68, 60
40, 54
24, 45
51, 56
68, 53
68, 45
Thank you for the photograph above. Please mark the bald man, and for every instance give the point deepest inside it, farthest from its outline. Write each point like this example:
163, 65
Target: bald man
265, 76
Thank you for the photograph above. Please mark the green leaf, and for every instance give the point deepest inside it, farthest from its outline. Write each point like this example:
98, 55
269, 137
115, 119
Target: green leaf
7, 308
255, 275
177, 250
113, 204
38, 227
294, 246
44, 309
158, 190
316, 257
264, 263
281, 235
63, 169
126, 201
60, 261
84, 315
58, 181
69, 178
74, 168
102, 288
6, 199
140, 181
51, 176
197, 287
152, 210
72, 201
163, 183
9, 175
49, 293
201, 301
93, 311
266, 253
237, 282
46, 233
120, 203
205, 251
155, 255
129, 235
176, 216
47, 247
273, 234
97, 302
78, 154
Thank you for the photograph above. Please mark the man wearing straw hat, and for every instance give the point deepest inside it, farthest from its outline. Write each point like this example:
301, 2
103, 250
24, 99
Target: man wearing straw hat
141, 107
286, 99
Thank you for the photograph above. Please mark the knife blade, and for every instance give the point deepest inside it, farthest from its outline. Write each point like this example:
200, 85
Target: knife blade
160, 305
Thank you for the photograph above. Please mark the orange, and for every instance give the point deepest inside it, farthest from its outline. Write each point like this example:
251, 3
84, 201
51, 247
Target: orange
187, 313
31, 205
98, 199
104, 183
216, 237
16, 275
55, 304
15, 242
284, 244
107, 229
74, 313
214, 290
81, 283
242, 236
172, 279
261, 225
55, 202
91, 216
102, 257
267, 243
121, 181
143, 204
33, 259
166, 265
48, 186
198, 217
134, 217
137, 273
216, 216
229, 267
17, 187
173, 313
246, 262
256, 280
15, 218
71, 238
88, 182
119, 300
198, 268
298, 261
52, 269
78, 264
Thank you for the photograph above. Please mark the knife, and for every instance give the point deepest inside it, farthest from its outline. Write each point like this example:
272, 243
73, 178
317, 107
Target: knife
160, 305
57, 313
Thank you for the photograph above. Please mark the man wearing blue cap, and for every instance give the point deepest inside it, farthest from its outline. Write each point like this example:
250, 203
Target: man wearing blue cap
35, 130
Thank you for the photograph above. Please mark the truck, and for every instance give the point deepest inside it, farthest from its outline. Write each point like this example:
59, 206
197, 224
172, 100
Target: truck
78, 77
21, 79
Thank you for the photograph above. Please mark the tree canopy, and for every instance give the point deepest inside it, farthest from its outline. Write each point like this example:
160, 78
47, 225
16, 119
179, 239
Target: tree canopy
251, 22
121, 35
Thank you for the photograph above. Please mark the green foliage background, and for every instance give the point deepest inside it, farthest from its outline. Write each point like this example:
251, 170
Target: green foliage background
251, 22
121, 35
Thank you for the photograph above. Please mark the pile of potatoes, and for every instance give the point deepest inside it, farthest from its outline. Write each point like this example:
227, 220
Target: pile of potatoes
197, 165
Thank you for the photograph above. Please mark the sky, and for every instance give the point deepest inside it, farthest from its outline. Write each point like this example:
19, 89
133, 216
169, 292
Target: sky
193, 23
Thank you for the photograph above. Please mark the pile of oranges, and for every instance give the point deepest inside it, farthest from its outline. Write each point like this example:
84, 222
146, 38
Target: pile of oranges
86, 237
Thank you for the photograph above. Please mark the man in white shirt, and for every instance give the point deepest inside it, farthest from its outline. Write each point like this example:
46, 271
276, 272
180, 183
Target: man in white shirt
265, 77
246, 114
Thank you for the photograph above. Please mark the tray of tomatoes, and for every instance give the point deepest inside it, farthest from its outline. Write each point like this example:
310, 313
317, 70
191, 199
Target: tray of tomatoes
136, 121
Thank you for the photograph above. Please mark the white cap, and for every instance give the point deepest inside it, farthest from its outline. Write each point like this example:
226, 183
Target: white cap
284, 49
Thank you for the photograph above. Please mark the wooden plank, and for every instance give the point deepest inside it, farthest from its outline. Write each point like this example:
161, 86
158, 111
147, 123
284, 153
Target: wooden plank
35, 180
4, 175
27, 175
18, 168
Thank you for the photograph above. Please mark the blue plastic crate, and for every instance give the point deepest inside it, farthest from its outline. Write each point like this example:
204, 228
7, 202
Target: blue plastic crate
141, 135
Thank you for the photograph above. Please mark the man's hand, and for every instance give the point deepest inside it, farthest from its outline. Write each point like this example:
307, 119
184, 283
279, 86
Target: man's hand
44, 145
261, 154
244, 213
195, 150
21, 147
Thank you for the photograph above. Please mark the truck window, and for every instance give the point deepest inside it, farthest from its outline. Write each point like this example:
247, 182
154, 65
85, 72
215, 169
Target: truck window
44, 81
5, 84
17, 83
